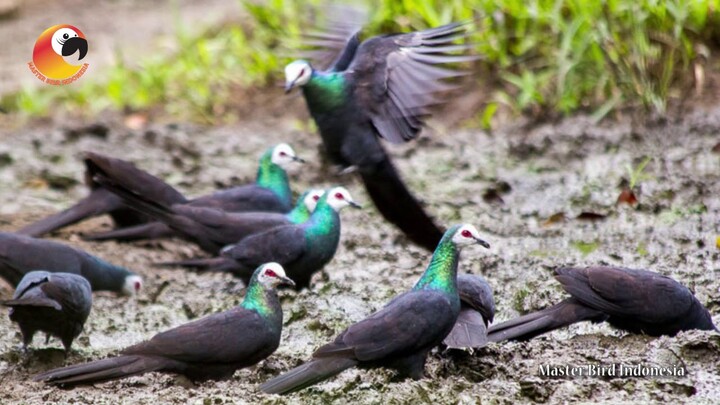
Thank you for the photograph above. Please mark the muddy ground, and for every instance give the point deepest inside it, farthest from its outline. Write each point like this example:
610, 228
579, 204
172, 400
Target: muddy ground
514, 184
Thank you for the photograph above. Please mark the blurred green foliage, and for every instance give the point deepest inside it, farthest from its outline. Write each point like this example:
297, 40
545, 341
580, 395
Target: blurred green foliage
541, 56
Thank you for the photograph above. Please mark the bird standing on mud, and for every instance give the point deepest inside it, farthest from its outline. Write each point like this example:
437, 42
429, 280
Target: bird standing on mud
380, 88
302, 249
400, 335
55, 303
210, 348
21, 254
271, 192
636, 301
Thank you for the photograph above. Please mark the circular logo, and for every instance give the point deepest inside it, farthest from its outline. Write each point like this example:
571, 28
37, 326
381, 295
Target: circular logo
58, 54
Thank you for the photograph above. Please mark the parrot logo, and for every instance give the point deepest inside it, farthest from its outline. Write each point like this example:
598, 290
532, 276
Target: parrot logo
58, 54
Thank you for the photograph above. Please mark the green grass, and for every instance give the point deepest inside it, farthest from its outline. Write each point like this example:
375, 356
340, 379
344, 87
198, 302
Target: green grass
541, 56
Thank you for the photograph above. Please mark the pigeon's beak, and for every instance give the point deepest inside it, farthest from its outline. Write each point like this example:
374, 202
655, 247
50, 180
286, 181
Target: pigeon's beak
289, 86
354, 204
483, 243
298, 159
287, 281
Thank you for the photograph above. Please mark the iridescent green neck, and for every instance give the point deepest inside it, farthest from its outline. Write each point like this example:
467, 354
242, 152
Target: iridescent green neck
325, 91
273, 177
300, 212
324, 220
256, 299
441, 273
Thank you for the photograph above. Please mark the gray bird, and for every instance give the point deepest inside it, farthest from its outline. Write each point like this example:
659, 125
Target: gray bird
20, 254
477, 310
55, 303
633, 300
210, 348
400, 335
382, 87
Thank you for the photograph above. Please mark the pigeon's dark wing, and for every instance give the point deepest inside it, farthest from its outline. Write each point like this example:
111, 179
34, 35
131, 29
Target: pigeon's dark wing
212, 339
249, 197
334, 46
644, 295
476, 293
409, 323
129, 176
283, 244
71, 291
396, 77
29, 292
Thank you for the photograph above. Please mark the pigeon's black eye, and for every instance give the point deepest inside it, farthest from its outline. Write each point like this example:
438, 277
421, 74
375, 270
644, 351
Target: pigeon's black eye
283, 154
316, 197
465, 233
339, 196
66, 36
270, 273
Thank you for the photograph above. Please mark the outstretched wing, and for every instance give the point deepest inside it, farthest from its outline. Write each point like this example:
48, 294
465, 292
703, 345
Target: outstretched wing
333, 46
396, 79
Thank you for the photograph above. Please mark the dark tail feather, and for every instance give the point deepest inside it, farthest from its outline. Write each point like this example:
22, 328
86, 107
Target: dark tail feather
306, 375
137, 201
531, 325
211, 264
152, 230
101, 370
99, 202
469, 331
398, 206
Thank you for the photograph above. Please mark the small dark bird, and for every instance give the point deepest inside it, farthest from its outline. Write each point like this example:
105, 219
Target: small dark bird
271, 193
302, 249
21, 254
55, 303
380, 88
477, 310
400, 335
210, 348
636, 301
211, 228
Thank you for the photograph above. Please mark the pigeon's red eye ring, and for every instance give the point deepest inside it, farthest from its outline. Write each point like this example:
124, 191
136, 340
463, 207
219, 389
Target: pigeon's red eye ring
467, 234
270, 273
339, 196
316, 197
282, 153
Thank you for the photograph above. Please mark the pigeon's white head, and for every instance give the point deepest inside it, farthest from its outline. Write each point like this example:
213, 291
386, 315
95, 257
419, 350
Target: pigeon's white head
133, 284
297, 73
283, 155
272, 275
467, 234
312, 198
339, 198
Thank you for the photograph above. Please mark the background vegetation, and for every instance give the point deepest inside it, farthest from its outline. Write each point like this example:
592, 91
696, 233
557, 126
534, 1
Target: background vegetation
539, 56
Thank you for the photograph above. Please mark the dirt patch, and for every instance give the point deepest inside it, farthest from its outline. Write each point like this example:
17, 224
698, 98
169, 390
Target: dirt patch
513, 185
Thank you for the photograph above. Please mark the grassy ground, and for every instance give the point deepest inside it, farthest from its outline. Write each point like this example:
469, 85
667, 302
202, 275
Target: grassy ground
542, 57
